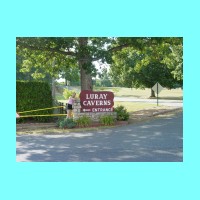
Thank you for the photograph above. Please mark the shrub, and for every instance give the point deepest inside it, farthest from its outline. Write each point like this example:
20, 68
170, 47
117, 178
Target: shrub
83, 121
107, 120
66, 123
122, 114
67, 93
33, 95
60, 119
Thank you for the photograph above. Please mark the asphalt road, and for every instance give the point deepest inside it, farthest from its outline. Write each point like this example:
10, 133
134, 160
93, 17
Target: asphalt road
158, 140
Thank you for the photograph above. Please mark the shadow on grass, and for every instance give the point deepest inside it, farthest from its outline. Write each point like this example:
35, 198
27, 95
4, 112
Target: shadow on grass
134, 96
171, 98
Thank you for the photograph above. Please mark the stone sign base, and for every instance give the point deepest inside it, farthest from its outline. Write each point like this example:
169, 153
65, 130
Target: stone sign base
95, 116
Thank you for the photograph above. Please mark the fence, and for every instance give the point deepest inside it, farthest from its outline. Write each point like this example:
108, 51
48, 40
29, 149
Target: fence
62, 109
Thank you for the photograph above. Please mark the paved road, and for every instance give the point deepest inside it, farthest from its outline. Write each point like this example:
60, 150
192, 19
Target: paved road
158, 140
165, 102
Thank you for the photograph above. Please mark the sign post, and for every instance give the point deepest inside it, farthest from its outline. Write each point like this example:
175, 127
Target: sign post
157, 89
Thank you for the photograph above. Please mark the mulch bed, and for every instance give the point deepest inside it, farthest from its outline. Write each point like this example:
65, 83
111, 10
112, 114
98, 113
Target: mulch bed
32, 125
97, 124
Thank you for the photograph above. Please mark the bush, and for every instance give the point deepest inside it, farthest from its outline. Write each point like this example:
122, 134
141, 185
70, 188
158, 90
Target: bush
107, 120
67, 93
83, 121
66, 123
33, 95
122, 114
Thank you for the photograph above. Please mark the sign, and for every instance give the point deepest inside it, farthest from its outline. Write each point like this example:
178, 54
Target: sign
157, 88
93, 101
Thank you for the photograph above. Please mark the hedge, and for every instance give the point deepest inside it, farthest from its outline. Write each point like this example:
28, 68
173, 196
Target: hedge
32, 95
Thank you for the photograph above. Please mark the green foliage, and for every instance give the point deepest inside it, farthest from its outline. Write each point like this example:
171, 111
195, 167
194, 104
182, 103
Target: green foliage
67, 93
67, 55
84, 121
148, 61
104, 79
32, 96
152, 73
107, 120
66, 123
122, 114
130, 57
71, 75
60, 119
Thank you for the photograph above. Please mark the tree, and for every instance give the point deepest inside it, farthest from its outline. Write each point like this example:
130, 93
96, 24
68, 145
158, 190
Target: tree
32, 73
104, 78
71, 75
82, 51
175, 62
152, 61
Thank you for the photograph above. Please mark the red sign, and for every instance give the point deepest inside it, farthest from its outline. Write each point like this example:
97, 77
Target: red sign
92, 101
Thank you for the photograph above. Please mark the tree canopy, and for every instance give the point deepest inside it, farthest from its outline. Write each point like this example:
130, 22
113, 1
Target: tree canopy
156, 60
135, 61
57, 54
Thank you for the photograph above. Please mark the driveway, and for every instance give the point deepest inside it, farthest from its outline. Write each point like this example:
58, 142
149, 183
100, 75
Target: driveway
158, 140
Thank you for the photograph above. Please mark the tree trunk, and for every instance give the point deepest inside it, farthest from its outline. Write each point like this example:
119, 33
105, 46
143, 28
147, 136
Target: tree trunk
152, 94
86, 78
53, 91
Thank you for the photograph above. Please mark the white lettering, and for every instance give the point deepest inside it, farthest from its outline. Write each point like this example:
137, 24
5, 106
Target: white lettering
96, 96
91, 96
85, 103
92, 103
102, 109
101, 103
105, 96
94, 110
87, 96
109, 103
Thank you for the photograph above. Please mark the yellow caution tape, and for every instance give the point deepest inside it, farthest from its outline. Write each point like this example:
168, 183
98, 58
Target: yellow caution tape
40, 109
43, 115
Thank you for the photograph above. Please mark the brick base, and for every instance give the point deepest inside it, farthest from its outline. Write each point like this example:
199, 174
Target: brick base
95, 116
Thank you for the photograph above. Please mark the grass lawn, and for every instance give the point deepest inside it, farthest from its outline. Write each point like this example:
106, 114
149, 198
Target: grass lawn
173, 94
135, 106
132, 106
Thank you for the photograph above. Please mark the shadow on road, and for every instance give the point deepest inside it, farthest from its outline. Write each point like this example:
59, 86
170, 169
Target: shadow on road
159, 140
